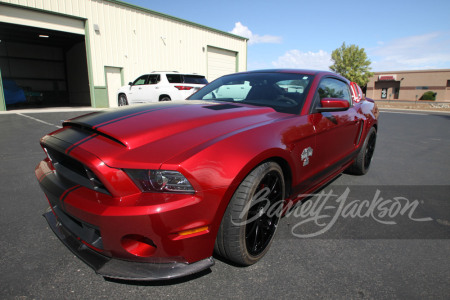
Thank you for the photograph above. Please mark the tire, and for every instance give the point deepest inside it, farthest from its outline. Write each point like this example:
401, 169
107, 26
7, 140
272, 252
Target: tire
164, 98
248, 225
122, 100
362, 162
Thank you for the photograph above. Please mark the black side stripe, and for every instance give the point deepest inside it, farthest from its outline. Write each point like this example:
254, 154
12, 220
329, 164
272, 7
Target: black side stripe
321, 175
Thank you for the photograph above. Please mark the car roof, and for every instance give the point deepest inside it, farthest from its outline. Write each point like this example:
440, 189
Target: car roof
299, 71
295, 71
175, 73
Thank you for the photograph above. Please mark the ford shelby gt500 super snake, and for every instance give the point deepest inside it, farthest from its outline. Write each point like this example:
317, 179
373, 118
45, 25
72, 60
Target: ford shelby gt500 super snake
149, 192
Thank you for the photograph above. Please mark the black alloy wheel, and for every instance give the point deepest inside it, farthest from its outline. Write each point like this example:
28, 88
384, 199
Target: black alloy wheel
251, 219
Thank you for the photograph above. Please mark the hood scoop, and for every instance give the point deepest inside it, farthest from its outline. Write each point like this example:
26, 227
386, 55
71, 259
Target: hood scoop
222, 106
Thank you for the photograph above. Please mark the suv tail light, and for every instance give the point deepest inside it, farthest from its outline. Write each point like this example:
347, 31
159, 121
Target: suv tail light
183, 88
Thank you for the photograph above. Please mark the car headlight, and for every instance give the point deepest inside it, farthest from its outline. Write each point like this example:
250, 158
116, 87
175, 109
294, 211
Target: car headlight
160, 181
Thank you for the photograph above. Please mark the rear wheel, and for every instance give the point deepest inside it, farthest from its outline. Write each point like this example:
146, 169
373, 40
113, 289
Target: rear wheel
164, 98
362, 162
123, 100
251, 219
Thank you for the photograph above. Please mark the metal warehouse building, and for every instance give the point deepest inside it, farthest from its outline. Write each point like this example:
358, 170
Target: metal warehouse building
79, 52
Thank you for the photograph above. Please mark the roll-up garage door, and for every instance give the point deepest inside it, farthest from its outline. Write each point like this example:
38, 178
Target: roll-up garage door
220, 62
42, 59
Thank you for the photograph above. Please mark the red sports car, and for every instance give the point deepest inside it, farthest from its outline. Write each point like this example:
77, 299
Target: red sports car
150, 192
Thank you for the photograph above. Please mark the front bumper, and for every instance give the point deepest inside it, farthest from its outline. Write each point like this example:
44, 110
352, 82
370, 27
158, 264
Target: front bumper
121, 269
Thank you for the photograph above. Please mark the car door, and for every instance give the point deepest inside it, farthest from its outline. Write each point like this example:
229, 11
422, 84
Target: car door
135, 92
336, 131
151, 92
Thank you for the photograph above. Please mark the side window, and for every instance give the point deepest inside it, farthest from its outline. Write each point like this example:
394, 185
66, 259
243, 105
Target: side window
153, 79
141, 80
333, 88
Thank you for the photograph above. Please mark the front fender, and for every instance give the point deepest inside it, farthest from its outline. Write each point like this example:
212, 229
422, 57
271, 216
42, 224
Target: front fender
217, 170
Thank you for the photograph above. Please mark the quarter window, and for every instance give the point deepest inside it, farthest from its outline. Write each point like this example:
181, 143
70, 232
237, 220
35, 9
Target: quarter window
195, 79
174, 78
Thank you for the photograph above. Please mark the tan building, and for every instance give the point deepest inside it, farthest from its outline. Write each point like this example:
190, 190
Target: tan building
409, 85
79, 52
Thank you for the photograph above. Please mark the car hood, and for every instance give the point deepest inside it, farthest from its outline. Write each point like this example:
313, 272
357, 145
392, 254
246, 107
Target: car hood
155, 133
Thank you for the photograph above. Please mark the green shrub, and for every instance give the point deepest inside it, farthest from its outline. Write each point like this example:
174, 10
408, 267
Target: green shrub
430, 95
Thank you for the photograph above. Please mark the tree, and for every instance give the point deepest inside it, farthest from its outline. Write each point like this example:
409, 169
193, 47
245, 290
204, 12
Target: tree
352, 63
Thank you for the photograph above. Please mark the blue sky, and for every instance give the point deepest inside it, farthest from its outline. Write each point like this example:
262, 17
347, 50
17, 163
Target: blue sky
396, 35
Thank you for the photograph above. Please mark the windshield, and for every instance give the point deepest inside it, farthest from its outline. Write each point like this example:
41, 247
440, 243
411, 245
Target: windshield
284, 92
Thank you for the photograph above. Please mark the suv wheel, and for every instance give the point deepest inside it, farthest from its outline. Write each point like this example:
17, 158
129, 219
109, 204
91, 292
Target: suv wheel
123, 100
164, 98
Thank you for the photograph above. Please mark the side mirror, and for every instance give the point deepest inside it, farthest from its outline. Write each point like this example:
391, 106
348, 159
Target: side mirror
130, 83
333, 104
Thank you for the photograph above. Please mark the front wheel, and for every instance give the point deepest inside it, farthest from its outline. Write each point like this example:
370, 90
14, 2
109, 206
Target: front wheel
362, 162
123, 100
251, 219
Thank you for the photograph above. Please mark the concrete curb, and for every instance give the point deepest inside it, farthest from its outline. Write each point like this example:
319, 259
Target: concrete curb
414, 110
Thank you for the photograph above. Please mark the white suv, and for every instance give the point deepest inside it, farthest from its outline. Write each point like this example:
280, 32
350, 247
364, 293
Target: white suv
160, 86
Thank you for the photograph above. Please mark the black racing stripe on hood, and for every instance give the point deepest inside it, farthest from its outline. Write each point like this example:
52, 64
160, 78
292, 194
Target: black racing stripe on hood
67, 140
72, 137
90, 131
68, 150
127, 117
103, 118
64, 140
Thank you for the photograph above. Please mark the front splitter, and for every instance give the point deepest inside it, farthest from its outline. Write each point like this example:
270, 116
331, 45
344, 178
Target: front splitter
122, 269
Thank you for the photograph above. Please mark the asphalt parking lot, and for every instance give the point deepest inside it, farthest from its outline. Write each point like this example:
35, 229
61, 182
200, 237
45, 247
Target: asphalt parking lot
402, 253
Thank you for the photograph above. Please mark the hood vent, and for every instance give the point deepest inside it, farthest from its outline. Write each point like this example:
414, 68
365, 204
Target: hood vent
221, 106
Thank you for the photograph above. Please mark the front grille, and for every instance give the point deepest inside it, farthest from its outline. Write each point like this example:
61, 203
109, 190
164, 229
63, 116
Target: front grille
64, 160
74, 171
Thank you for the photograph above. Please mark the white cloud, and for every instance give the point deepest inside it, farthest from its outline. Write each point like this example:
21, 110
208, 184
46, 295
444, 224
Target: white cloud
320, 60
427, 51
242, 30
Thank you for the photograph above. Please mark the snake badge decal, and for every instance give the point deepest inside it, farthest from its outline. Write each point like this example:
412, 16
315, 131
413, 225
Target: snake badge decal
307, 152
